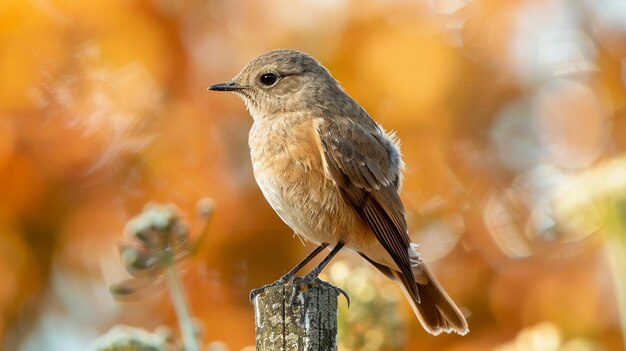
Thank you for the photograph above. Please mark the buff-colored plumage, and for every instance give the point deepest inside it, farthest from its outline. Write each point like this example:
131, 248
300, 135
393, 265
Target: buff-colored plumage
333, 174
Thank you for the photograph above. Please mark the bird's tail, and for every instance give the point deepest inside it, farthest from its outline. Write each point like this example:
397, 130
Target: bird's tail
433, 307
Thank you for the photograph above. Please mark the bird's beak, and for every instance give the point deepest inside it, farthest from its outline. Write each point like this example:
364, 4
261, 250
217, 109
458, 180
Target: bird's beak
227, 86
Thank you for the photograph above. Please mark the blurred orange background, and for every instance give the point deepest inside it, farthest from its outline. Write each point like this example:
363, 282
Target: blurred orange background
512, 121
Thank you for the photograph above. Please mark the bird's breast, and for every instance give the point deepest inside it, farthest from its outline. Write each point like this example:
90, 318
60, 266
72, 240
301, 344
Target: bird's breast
287, 163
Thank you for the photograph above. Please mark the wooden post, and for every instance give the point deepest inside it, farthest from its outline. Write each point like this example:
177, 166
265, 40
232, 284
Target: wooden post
296, 317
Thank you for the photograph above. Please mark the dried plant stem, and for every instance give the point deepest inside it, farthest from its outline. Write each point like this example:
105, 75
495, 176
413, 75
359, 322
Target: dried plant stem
181, 306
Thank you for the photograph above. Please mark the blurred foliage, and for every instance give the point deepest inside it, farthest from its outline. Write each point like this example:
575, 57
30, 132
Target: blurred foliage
500, 106
372, 321
546, 336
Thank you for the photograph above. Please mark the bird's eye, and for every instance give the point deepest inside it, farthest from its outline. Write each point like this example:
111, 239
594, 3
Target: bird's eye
268, 79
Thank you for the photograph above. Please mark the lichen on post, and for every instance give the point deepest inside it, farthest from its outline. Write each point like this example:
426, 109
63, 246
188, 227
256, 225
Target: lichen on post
296, 316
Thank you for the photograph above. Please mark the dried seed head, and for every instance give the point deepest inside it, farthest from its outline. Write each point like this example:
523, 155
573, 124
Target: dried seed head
161, 232
122, 337
155, 239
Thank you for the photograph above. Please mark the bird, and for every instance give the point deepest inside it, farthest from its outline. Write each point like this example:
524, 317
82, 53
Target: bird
334, 175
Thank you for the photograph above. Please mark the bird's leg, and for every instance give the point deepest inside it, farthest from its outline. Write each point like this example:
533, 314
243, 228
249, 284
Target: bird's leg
318, 269
289, 275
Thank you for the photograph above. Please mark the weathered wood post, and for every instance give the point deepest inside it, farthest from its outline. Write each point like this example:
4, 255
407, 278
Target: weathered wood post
296, 316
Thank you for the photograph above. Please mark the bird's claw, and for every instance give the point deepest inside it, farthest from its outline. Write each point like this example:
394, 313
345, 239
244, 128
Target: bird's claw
342, 292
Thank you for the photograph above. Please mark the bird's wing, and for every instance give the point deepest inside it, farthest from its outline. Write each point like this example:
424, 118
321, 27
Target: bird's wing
365, 166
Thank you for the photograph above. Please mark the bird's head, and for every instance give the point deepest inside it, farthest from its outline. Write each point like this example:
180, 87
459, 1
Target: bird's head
281, 81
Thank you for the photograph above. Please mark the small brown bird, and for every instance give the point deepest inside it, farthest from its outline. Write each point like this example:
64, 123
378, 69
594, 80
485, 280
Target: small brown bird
334, 175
